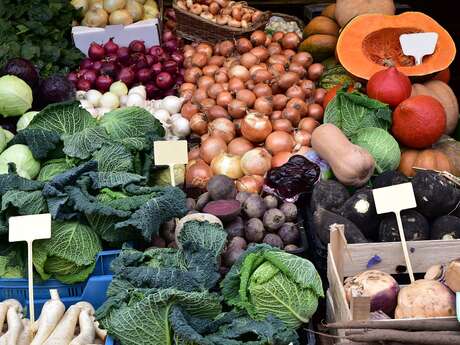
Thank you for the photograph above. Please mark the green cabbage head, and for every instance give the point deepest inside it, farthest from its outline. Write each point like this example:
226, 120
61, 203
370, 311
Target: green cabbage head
15, 96
9, 136
21, 156
266, 280
3, 140
25, 119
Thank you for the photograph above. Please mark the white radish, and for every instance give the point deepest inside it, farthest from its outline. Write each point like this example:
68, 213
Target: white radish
86, 305
4, 309
26, 336
15, 327
101, 333
51, 314
87, 329
63, 333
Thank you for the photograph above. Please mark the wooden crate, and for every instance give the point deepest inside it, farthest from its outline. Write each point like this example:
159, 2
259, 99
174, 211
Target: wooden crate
345, 260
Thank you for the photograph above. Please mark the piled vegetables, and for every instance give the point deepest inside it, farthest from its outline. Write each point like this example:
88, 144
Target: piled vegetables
76, 326
222, 12
113, 12
175, 294
158, 68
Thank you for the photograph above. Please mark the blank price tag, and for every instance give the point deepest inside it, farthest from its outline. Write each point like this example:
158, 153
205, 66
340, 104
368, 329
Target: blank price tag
170, 153
28, 229
394, 199
458, 306
418, 45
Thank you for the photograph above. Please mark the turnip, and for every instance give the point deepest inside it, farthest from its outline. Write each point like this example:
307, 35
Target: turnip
379, 286
234, 250
289, 233
425, 299
274, 219
290, 211
100, 333
291, 248
271, 201
242, 196
274, 240
65, 329
254, 230
15, 326
235, 228
87, 330
202, 201
221, 187
26, 336
51, 314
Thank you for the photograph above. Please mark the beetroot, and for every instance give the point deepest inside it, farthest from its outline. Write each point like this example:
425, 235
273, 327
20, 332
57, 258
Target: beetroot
379, 286
225, 210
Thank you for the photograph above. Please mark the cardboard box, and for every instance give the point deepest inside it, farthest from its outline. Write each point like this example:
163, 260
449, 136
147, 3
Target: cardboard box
145, 30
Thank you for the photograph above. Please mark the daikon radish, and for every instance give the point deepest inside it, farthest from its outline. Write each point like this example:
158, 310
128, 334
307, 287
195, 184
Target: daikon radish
15, 327
86, 305
51, 314
64, 331
26, 336
4, 309
101, 333
87, 329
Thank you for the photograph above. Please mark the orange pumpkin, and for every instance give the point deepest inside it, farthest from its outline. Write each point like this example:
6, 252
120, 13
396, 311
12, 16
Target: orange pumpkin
370, 43
426, 159
444, 76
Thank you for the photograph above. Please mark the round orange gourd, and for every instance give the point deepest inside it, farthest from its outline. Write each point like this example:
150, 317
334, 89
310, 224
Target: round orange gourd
370, 43
321, 25
346, 10
329, 11
426, 159
444, 94
444, 76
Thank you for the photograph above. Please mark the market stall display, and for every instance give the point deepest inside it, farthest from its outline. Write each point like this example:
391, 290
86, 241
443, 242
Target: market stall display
282, 121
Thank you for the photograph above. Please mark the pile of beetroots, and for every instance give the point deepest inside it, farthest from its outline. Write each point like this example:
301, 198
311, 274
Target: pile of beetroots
158, 68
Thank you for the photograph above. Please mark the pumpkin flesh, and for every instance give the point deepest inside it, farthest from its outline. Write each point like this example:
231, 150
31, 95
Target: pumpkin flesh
370, 43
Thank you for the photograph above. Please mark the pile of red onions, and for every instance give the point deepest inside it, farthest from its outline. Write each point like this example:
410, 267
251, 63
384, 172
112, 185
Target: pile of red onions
159, 68
254, 102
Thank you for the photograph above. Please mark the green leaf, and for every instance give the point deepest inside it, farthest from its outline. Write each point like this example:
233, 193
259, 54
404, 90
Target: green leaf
54, 167
208, 236
23, 202
353, 111
130, 125
113, 158
40, 141
83, 143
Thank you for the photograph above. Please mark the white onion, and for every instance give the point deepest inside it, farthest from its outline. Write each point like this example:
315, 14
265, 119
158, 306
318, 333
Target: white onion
94, 97
80, 95
119, 88
140, 90
135, 100
172, 104
103, 111
85, 104
123, 100
181, 127
109, 100
162, 115
175, 116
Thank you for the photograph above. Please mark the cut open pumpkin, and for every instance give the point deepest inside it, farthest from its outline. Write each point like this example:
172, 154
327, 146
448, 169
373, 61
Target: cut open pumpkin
370, 43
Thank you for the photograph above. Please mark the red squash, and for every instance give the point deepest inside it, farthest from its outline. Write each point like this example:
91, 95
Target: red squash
389, 86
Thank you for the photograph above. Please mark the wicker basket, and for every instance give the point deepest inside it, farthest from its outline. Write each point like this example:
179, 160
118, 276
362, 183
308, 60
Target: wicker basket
198, 29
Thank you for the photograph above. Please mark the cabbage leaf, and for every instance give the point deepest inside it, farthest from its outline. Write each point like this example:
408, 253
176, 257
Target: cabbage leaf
352, 111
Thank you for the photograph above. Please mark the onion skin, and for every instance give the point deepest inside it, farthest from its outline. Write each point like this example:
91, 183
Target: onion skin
250, 184
279, 101
282, 125
216, 112
212, 147
199, 124
256, 127
280, 159
316, 112
292, 114
197, 175
279, 141
237, 109
379, 286
222, 128
302, 137
239, 146
308, 124
256, 162
228, 165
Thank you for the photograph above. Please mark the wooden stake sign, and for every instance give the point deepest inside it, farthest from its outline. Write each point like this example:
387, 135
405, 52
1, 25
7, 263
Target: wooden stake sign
394, 199
418, 45
28, 229
170, 153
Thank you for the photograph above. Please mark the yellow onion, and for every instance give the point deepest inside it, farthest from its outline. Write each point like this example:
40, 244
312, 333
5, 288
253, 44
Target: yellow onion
228, 165
250, 184
256, 162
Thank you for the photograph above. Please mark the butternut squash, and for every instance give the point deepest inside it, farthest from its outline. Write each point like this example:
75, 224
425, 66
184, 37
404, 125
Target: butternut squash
346, 10
444, 94
352, 165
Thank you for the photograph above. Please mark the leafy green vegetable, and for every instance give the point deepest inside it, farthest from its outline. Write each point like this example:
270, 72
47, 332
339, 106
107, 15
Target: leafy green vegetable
25, 119
69, 255
15, 96
353, 111
381, 145
40, 31
265, 281
12, 263
53, 168
21, 156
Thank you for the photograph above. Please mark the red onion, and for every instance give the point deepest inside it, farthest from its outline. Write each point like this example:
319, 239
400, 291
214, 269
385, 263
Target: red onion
137, 46
111, 47
103, 83
139, 60
170, 13
86, 63
151, 89
83, 84
109, 68
164, 80
157, 68
72, 77
90, 75
171, 46
97, 65
178, 57
150, 60
96, 51
111, 58
126, 75
123, 55
170, 66
156, 51
168, 35
144, 75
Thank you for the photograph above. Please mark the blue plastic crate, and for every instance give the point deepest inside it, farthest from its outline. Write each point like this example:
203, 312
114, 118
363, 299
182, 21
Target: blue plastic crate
93, 290
109, 341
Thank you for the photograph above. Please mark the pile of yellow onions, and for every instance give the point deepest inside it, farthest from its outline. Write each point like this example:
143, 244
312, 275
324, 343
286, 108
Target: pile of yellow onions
254, 103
